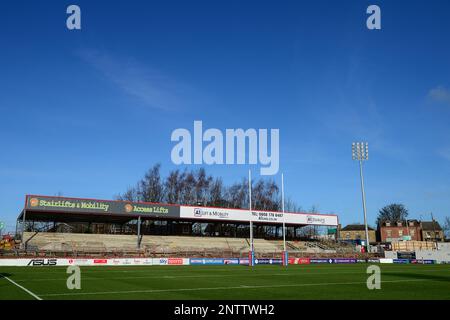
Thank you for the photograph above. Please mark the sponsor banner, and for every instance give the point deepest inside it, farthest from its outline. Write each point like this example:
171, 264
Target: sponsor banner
78, 262
61, 204
106, 207
299, 261
276, 261
223, 214
231, 261
244, 261
386, 261
100, 261
207, 261
400, 261
263, 261
175, 261
213, 261
42, 262
194, 261
321, 260
373, 260
420, 261
361, 261
341, 260
94, 262
38, 262
268, 261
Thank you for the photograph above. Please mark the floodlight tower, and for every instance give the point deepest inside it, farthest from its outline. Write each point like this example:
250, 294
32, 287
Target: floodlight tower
285, 253
360, 152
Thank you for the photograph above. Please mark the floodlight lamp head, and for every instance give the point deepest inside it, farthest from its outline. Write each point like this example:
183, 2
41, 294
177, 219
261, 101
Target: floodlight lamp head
360, 151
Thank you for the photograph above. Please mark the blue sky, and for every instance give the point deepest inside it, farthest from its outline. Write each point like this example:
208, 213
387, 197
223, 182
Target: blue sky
85, 113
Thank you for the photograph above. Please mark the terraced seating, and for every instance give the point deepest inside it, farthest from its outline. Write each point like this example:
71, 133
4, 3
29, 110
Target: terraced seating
79, 243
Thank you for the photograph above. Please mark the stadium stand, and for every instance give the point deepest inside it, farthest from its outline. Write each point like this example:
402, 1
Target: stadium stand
79, 244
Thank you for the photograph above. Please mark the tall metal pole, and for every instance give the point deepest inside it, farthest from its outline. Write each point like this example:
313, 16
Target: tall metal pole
409, 234
138, 244
23, 228
364, 204
282, 206
285, 253
250, 217
407, 227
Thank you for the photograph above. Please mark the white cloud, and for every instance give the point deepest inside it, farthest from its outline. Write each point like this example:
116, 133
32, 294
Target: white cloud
138, 81
445, 153
440, 94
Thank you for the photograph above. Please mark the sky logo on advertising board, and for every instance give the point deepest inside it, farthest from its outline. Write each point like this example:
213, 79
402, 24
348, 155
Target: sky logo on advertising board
176, 261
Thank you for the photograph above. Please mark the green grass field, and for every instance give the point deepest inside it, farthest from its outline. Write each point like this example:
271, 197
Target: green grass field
228, 282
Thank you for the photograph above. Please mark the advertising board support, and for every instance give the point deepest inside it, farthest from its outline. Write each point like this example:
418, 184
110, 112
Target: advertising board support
285, 258
251, 258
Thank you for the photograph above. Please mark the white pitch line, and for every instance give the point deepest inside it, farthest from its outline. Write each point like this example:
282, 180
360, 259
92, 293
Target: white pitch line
218, 288
23, 288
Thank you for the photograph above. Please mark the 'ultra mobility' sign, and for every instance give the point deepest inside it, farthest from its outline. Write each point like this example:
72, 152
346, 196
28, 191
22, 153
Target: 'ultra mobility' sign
223, 214
100, 206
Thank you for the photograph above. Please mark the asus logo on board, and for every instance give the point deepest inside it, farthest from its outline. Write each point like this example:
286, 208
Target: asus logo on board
42, 262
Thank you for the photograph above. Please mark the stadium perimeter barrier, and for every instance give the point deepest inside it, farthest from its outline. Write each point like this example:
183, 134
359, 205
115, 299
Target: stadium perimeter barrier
36, 262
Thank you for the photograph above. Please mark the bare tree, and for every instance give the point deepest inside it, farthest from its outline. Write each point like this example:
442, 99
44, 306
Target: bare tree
150, 187
198, 188
446, 227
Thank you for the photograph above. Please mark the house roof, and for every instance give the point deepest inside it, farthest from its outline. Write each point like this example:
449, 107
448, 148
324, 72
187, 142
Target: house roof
431, 226
403, 223
355, 227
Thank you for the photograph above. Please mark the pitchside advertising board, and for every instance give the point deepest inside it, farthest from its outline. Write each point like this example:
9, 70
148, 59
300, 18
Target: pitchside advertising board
49, 262
60, 204
222, 214
64, 262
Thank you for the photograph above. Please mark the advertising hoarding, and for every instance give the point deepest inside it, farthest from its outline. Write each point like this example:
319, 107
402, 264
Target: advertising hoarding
223, 214
75, 205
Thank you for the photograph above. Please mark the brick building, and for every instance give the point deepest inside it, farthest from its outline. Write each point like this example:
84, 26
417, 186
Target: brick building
410, 230
357, 232
431, 231
390, 231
